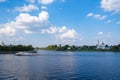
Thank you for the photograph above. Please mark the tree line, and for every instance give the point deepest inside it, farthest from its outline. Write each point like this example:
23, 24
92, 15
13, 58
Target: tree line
10, 47
82, 48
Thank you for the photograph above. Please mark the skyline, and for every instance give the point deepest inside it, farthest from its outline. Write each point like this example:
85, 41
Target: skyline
73, 22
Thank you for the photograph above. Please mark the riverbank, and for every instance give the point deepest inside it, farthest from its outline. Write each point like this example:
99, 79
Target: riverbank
106, 48
13, 52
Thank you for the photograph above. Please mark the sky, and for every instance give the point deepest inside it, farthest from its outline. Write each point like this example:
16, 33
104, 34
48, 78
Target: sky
45, 22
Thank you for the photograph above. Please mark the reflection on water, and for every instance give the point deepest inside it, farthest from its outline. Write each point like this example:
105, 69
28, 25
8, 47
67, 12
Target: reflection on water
52, 65
11, 65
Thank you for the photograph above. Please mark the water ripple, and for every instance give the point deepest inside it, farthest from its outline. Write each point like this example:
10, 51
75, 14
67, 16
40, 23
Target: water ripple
61, 66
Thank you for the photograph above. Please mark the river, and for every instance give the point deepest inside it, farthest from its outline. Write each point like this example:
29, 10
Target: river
58, 65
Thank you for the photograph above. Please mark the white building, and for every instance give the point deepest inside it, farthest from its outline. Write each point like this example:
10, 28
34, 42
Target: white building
100, 45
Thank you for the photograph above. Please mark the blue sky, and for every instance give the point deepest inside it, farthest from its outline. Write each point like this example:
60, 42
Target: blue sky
45, 22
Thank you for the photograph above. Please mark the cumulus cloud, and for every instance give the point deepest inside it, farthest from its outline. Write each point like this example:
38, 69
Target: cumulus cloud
62, 29
7, 31
100, 33
97, 16
43, 16
25, 20
50, 30
26, 23
69, 34
111, 5
62, 33
46, 1
54, 30
27, 8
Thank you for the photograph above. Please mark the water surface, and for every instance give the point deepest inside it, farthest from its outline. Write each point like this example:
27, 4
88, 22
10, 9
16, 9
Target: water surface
53, 65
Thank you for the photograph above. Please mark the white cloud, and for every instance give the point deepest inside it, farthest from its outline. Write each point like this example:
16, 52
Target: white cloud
27, 8
54, 30
90, 14
25, 22
61, 33
97, 16
43, 16
62, 29
2, 0
28, 31
111, 5
46, 1
69, 34
7, 31
50, 30
109, 21
118, 22
43, 7
100, 33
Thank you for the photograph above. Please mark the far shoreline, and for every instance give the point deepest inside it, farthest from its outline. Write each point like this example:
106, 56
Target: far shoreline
12, 52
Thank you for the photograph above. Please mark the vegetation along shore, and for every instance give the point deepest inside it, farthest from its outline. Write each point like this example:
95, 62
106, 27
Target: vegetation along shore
83, 48
10, 49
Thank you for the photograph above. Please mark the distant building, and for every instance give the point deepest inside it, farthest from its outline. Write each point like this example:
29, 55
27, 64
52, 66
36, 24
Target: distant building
101, 45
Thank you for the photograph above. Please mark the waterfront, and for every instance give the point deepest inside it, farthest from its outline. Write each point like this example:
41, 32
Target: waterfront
58, 65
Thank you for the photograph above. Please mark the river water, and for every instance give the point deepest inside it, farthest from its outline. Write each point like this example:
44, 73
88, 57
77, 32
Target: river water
58, 65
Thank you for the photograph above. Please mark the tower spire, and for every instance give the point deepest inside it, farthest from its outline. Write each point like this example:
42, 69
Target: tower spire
98, 42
